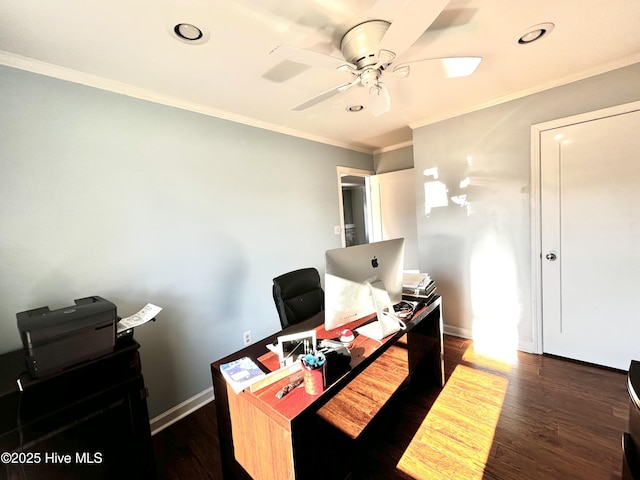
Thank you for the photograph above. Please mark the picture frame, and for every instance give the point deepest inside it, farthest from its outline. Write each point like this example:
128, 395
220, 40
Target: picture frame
290, 347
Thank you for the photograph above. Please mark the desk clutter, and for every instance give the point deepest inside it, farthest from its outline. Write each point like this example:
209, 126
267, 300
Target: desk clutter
316, 363
418, 287
313, 366
241, 373
322, 362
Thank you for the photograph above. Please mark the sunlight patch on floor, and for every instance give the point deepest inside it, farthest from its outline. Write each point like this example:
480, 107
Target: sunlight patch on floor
495, 345
456, 437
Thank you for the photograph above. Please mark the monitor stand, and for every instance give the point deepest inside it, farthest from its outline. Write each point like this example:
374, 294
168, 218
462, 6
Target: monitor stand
387, 322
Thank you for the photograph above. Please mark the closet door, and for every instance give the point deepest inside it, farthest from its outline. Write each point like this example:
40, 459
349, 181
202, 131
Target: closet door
590, 220
394, 211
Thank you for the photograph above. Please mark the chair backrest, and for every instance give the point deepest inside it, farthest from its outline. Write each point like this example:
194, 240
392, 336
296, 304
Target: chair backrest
298, 295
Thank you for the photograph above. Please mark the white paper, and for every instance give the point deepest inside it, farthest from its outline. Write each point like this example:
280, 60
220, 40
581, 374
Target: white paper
148, 312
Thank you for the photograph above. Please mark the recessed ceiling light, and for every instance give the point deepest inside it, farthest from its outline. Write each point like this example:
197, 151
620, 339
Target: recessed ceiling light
535, 33
189, 33
355, 108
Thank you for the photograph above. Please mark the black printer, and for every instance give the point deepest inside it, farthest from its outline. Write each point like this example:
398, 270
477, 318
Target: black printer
54, 340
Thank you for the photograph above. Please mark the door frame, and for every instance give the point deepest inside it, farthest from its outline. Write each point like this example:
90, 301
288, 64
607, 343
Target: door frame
535, 199
354, 172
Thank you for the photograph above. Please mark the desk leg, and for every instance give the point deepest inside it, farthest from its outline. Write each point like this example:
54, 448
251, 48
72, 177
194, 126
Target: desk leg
426, 350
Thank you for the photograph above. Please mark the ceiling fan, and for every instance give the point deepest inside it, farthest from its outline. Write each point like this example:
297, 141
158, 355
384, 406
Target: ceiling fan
370, 49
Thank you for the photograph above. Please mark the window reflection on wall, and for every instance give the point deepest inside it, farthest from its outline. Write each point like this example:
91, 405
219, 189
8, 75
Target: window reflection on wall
480, 223
438, 194
435, 192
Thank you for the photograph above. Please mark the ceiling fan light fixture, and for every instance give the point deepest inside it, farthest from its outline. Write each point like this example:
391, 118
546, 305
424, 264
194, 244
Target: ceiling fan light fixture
380, 99
369, 78
385, 57
535, 33
402, 72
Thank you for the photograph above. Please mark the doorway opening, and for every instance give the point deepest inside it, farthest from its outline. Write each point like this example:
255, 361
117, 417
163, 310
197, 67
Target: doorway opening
356, 216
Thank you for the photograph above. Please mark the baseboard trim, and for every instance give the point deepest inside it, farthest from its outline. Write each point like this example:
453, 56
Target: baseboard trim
457, 331
181, 410
527, 347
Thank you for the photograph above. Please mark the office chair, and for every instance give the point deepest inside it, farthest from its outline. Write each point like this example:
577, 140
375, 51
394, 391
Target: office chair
298, 295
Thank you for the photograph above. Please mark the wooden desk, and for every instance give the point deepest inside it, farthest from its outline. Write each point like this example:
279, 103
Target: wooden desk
306, 437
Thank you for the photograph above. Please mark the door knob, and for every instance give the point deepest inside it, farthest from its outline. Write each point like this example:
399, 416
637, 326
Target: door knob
550, 256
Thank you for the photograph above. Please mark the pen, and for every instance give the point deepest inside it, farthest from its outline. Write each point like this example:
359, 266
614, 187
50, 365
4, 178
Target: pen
288, 387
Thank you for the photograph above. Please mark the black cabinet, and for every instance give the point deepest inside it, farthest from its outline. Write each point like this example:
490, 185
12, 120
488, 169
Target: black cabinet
631, 439
88, 421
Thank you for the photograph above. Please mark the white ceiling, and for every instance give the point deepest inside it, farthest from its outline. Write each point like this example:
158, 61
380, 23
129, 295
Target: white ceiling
128, 46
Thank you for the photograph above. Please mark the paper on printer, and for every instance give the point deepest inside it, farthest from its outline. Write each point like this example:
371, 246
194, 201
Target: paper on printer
148, 312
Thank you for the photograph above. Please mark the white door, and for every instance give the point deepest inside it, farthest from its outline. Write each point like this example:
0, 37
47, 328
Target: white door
393, 199
590, 245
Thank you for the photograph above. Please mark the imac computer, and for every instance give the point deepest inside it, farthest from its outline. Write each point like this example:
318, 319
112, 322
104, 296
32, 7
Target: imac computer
363, 280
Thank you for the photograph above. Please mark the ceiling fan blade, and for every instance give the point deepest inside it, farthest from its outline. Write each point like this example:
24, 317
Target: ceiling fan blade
308, 57
325, 95
453, 67
460, 66
411, 22
380, 99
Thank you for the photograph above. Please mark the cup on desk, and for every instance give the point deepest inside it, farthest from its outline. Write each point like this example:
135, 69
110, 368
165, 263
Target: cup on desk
313, 366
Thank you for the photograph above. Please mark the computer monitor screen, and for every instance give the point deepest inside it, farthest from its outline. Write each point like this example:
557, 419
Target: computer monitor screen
350, 271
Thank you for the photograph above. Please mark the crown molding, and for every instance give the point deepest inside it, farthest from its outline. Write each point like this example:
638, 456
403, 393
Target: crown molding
604, 68
391, 148
62, 73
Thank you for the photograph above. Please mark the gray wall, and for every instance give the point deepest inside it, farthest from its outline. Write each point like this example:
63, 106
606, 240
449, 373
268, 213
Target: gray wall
480, 253
103, 194
392, 160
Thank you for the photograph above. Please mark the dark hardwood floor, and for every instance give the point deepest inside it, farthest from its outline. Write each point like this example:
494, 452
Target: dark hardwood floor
539, 417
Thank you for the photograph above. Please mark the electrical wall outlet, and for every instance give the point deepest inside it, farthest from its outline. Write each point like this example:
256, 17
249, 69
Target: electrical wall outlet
246, 338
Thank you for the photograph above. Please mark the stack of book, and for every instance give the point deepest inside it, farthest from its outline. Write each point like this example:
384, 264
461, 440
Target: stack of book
418, 286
